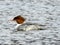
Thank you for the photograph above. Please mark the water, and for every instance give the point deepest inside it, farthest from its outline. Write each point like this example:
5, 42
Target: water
46, 12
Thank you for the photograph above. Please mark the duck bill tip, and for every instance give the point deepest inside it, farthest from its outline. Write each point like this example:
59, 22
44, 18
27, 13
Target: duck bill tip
10, 20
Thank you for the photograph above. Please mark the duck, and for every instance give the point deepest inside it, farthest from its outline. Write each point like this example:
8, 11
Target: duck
23, 25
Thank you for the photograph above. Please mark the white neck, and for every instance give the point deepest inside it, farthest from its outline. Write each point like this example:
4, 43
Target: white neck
17, 26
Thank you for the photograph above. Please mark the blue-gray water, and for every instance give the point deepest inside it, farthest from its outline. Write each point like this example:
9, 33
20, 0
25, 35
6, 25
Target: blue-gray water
46, 12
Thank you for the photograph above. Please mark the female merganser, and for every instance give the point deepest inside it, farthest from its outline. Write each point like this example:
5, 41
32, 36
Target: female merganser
24, 26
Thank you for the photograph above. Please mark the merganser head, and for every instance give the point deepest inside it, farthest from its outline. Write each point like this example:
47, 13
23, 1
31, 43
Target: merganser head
19, 19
